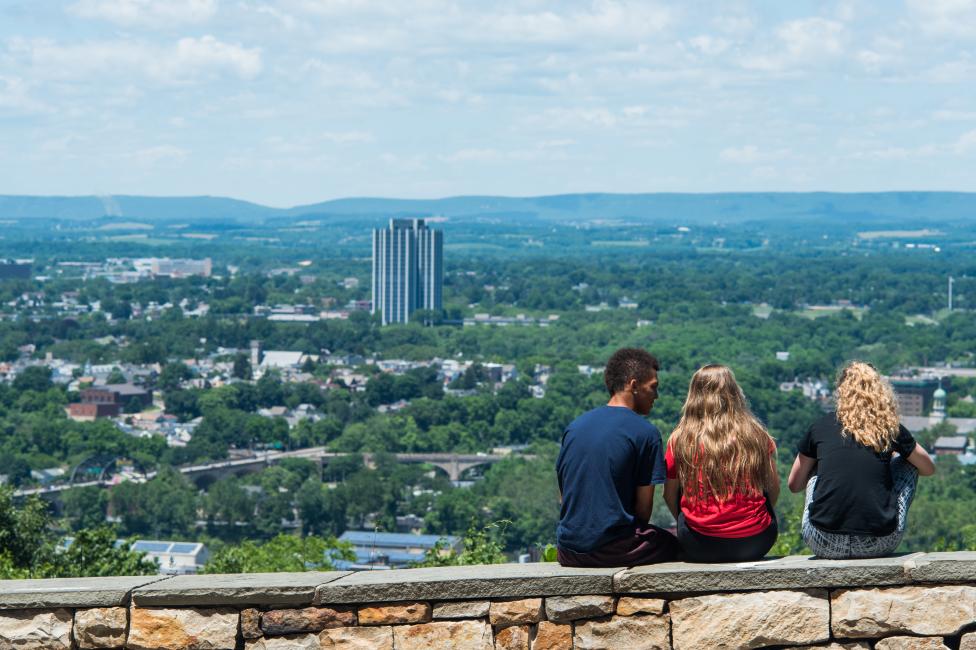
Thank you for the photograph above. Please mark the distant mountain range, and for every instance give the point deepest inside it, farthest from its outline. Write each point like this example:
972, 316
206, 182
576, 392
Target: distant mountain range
874, 207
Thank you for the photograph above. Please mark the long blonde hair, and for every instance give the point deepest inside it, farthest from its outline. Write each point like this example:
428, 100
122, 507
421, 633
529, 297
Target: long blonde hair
719, 446
866, 406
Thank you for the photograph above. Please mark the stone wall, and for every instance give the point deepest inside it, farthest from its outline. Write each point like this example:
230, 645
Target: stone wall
925, 600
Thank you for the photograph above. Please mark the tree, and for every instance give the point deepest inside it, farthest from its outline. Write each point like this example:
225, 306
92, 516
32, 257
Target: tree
481, 546
115, 377
242, 366
281, 553
85, 507
36, 378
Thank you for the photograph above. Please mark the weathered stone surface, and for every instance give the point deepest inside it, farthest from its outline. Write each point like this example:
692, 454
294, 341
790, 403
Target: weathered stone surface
968, 641
251, 623
470, 635
792, 572
461, 609
911, 643
101, 627
515, 612
308, 619
71, 592
291, 642
467, 582
562, 609
957, 566
357, 638
553, 636
515, 637
628, 606
750, 620
929, 611
160, 628
640, 632
394, 614
38, 629
267, 589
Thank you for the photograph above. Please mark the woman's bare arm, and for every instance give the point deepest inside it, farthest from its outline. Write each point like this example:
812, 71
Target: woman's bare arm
800, 473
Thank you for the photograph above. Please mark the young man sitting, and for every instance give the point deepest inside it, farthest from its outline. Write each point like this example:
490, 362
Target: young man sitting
611, 459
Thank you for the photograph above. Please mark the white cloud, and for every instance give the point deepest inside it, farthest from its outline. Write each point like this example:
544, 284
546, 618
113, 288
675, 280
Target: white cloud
345, 137
751, 154
15, 97
951, 115
150, 156
148, 13
966, 142
802, 43
954, 18
187, 60
709, 45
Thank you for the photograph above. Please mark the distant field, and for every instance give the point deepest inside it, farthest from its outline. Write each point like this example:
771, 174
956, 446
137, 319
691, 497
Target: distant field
199, 235
819, 311
620, 243
474, 246
899, 234
126, 225
920, 319
142, 239
762, 311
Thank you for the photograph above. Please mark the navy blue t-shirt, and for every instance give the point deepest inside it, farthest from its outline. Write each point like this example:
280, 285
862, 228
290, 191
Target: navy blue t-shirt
607, 453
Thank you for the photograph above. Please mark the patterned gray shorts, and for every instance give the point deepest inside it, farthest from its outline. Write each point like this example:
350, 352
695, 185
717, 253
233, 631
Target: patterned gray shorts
833, 546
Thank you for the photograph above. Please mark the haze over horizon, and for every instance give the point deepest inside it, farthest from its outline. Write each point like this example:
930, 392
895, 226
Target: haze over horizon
300, 101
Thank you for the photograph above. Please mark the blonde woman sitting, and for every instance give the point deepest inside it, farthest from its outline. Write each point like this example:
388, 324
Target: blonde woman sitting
722, 482
859, 467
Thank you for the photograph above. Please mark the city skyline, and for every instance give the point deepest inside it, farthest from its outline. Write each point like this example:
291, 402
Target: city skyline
297, 101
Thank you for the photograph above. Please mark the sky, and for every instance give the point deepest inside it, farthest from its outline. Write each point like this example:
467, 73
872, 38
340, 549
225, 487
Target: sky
298, 101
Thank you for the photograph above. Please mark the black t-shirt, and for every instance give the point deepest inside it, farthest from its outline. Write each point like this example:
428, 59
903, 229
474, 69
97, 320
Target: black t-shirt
853, 495
606, 454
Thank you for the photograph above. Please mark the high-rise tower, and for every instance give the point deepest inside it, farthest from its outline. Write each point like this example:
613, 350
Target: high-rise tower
408, 269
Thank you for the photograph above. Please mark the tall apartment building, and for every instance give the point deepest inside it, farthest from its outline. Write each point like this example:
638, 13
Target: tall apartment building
408, 269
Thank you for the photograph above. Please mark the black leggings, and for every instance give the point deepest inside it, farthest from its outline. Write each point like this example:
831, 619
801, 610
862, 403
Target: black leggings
696, 547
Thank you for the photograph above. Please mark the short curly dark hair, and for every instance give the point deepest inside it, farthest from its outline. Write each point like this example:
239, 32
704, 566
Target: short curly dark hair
627, 364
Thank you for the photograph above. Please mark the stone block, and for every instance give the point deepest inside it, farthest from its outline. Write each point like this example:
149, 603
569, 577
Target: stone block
515, 637
466, 583
792, 572
750, 620
251, 623
160, 628
36, 629
911, 643
641, 632
268, 589
394, 613
628, 606
856, 645
553, 636
461, 609
101, 627
957, 566
291, 642
308, 619
562, 609
515, 612
927, 611
968, 641
71, 592
357, 638
470, 635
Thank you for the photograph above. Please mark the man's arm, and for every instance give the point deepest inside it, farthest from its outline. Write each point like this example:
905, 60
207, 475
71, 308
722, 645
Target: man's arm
644, 503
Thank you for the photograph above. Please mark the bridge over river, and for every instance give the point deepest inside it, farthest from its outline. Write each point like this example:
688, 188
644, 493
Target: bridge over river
454, 465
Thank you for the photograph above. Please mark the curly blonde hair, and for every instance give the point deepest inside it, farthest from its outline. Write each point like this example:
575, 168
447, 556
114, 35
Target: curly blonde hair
719, 446
866, 406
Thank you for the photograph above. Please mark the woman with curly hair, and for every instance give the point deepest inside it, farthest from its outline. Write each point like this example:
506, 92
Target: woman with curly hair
721, 482
859, 467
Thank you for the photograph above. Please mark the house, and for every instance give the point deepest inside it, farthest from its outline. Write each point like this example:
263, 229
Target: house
174, 558
951, 445
108, 400
375, 550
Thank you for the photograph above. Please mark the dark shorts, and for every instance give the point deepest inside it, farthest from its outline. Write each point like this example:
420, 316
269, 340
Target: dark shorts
647, 545
696, 547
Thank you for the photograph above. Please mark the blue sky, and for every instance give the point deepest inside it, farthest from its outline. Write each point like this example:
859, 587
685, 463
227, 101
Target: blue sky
299, 101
